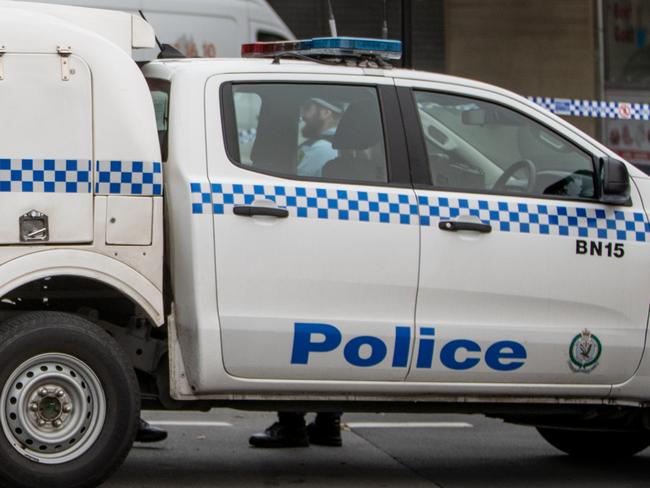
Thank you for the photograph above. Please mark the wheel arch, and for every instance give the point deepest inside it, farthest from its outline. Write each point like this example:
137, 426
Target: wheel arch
90, 265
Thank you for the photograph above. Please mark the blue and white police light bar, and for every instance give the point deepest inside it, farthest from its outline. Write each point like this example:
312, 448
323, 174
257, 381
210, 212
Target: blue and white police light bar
326, 46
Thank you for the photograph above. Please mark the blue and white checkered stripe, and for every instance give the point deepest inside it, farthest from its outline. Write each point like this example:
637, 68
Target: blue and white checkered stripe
594, 108
525, 218
141, 178
45, 175
314, 203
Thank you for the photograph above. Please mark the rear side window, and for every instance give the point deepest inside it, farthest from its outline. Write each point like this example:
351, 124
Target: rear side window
160, 94
311, 131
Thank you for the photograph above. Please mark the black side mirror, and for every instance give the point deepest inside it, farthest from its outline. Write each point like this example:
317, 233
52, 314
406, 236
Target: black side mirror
616, 182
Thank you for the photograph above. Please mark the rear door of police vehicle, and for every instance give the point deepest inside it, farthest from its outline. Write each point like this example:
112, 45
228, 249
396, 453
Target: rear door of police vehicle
526, 277
316, 227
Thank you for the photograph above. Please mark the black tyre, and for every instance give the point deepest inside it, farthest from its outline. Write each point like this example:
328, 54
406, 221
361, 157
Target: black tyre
596, 444
69, 402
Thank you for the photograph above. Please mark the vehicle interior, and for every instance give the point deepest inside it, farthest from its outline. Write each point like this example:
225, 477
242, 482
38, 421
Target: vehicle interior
272, 133
479, 146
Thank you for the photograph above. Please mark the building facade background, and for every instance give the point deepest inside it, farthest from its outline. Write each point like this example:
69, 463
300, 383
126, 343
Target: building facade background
578, 49
364, 18
533, 47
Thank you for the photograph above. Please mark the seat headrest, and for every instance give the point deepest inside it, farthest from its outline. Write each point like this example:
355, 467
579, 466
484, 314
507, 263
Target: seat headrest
360, 127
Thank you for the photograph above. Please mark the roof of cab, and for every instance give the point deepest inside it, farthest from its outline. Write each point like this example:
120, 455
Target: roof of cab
203, 68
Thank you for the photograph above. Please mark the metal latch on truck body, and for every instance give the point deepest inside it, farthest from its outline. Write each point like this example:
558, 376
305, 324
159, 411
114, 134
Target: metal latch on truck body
65, 53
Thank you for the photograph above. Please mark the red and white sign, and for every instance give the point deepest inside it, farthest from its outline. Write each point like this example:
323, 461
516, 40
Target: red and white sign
624, 111
627, 137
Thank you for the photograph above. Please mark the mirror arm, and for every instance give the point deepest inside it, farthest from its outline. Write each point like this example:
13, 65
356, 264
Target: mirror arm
617, 200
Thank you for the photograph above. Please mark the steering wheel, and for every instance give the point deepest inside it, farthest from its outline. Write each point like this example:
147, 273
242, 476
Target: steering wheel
526, 164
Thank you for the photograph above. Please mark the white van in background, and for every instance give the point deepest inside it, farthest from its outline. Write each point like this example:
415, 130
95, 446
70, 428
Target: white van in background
202, 28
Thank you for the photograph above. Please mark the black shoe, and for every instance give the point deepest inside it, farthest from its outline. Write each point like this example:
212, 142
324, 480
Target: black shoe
325, 434
149, 433
279, 435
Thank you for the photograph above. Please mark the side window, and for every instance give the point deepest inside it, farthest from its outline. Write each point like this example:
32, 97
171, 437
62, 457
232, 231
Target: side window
473, 145
160, 94
317, 131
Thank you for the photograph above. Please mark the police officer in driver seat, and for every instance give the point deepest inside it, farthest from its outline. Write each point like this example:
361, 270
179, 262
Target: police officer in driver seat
320, 119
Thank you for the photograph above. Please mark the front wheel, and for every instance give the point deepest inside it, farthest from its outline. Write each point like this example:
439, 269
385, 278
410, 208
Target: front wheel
69, 402
596, 444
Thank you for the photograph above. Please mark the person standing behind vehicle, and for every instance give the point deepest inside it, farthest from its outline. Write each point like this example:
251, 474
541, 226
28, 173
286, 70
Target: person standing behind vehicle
320, 120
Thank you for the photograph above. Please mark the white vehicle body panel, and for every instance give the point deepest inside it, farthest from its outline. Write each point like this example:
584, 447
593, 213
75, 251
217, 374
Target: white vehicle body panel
274, 273
220, 362
240, 285
126, 31
103, 118
34, 100
530, 287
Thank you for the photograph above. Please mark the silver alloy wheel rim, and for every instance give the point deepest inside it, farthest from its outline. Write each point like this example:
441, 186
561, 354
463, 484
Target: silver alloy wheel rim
52, 408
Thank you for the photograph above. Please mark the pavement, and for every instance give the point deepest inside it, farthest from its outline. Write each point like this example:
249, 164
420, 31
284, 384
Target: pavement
392, 450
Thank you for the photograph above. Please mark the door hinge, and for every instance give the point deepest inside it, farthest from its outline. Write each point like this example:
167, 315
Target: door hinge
3, 51
65, 53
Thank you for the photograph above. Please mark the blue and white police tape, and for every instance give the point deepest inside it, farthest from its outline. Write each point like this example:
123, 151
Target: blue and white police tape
594, 108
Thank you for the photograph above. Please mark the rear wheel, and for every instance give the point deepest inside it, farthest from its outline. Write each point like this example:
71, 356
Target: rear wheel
69, 402
596, 444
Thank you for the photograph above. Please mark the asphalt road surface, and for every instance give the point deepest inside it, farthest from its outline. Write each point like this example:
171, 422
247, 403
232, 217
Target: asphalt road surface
450, 451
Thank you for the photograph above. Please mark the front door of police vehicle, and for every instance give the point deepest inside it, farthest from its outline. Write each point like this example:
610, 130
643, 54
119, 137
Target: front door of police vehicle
525, 276
316, 251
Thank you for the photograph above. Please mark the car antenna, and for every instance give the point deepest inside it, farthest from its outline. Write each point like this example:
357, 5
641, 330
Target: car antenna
332, 20
167, 51
384, 29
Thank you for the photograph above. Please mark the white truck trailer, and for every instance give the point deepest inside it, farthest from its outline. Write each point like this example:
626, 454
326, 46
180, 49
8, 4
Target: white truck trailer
456, 248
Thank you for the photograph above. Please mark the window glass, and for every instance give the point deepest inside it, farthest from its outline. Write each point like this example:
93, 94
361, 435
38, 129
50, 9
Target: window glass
160, 104
160, 94
480, 146
310, 131
247, 113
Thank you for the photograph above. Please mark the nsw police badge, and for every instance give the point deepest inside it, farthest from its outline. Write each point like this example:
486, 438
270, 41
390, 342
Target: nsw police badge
584, 352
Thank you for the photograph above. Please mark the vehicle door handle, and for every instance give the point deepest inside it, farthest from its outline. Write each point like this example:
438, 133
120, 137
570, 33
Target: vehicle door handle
251, 210
455, 226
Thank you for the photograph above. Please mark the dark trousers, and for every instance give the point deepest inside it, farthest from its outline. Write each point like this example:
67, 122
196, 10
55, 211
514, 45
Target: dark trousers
297, 419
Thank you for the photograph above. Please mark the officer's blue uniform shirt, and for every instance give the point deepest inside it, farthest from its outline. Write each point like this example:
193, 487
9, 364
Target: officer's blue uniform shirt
315, 154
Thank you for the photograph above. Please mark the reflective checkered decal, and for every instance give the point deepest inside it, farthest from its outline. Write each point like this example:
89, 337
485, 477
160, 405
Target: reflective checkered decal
315, 203
562, 220
140, 178
45, 175
571, 220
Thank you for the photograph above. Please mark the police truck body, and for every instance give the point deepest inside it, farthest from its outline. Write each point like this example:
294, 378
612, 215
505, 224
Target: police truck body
462, 250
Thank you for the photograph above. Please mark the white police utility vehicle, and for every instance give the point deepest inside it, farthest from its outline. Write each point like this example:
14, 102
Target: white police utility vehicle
307, 228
